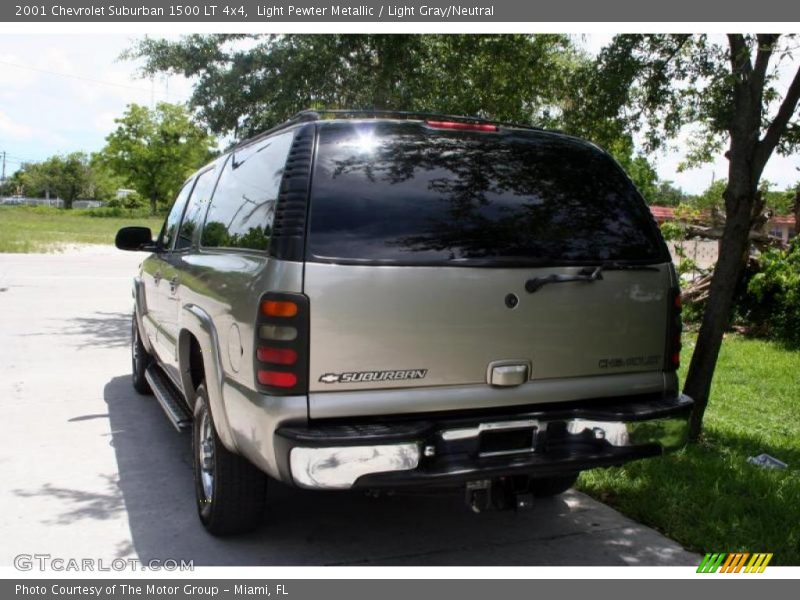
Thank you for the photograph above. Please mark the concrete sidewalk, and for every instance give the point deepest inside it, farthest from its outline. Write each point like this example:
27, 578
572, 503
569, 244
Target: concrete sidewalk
92, 469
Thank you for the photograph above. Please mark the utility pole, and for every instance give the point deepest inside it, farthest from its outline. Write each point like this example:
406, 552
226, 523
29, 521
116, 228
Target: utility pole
3, 176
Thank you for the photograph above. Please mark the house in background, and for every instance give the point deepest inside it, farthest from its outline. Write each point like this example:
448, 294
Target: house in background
783, 227
703, 252
123, 193
662, 214
779, 226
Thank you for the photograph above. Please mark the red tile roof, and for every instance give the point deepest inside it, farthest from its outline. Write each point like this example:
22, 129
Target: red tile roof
662, 213
783, 220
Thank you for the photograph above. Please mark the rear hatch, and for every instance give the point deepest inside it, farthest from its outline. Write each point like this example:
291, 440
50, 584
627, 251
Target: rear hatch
422, 239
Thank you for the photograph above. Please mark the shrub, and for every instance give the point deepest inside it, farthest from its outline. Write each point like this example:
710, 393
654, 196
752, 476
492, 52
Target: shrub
771, 296
131, 201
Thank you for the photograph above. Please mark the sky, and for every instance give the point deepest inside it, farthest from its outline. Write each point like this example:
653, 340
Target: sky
61, 93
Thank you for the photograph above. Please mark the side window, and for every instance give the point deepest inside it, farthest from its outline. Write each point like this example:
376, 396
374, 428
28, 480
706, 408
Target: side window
170, 227
195, 209
243, 207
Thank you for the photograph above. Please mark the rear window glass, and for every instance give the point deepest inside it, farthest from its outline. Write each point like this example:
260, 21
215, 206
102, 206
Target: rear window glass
404, 193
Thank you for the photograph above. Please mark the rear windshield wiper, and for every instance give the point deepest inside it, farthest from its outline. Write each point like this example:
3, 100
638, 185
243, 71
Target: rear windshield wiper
587, 274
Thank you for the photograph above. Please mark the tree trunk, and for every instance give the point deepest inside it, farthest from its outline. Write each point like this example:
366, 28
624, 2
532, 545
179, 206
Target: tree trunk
744, 172
153, 206
388, 53
68, 203
727, 273
748, 154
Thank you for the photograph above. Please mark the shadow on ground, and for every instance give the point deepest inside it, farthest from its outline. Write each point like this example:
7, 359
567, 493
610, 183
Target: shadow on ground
346, 528
106, 329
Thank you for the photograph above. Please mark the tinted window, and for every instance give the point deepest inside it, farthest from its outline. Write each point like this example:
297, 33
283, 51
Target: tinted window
195, 209
403, 192
243, 206
170, 227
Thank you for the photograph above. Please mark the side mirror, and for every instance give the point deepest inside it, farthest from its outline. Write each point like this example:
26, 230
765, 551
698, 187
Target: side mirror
135, 238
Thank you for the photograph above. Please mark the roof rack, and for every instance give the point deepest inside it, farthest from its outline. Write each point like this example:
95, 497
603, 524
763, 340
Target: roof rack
310, 115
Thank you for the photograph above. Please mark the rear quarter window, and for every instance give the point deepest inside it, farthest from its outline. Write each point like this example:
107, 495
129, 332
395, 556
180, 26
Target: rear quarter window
405, 193
242, 209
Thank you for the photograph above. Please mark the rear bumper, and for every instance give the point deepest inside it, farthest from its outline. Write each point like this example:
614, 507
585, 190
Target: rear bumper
447, 451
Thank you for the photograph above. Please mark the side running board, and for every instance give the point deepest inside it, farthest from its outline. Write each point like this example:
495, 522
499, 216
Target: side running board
168, 398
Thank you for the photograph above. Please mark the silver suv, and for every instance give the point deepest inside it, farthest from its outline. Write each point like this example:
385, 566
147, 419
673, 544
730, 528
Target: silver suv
383, 300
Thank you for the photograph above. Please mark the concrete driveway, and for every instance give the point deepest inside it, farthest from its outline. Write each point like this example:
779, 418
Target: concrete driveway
92, 469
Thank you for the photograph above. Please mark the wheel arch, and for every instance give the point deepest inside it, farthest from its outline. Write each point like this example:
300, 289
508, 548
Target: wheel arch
192, 365
140, 310
198, 348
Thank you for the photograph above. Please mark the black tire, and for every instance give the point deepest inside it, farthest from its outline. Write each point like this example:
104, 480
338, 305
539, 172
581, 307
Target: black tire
235, 499
140, 360
553, 486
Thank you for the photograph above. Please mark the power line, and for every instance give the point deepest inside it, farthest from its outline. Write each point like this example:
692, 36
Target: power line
88, 79
20, 159
15, 158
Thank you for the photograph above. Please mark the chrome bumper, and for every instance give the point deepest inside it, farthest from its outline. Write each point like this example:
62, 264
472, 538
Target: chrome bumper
448, 451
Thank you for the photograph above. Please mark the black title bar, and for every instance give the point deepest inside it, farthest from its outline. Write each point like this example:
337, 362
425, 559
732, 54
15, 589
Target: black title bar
442, 11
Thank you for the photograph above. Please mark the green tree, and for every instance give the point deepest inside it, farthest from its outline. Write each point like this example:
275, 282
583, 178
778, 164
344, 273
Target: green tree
777, 201
728, 90
712, 198
667, 194
154, 151
69, 177
638, 168
19, 182
106, 181
248, 83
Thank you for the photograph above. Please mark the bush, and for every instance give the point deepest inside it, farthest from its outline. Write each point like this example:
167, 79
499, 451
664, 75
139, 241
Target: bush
131, 201
771, 296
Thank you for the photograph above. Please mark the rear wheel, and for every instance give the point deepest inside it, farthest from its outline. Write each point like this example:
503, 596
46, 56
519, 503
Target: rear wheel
140, 360
231, 493
552, 486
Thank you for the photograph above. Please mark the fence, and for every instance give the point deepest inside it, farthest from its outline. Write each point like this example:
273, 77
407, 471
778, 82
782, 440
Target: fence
54, 202
703, 253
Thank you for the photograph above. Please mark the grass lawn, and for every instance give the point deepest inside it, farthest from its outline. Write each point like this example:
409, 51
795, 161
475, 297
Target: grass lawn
43, 229
707, 497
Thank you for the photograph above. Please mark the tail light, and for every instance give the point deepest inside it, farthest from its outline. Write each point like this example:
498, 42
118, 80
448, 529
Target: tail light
281, 344
672, 358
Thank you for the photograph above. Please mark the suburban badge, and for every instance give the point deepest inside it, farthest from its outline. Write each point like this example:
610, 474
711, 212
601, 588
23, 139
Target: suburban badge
371, 376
